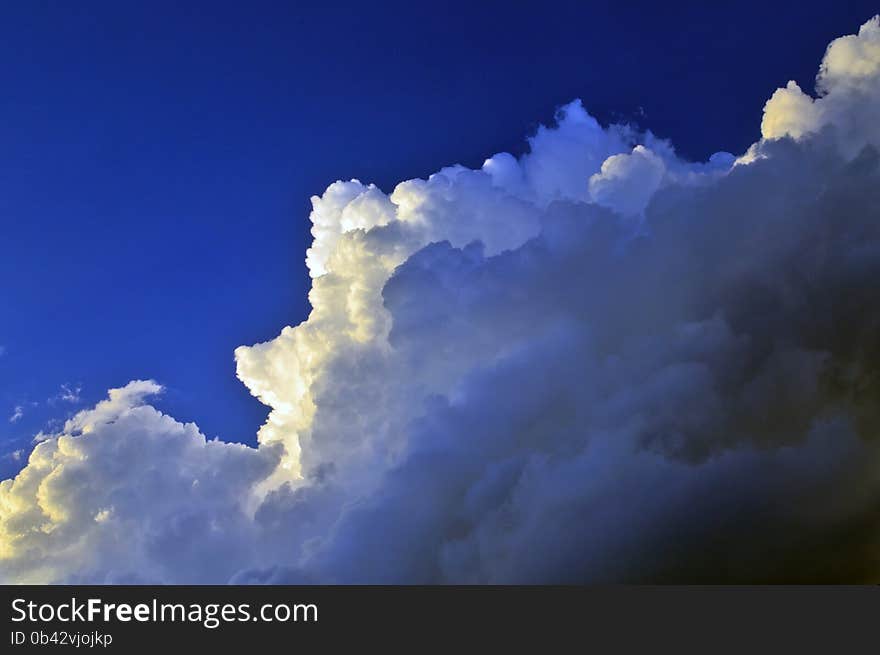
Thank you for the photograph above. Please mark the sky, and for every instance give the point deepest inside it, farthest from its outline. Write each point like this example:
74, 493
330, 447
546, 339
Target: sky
158, 168
159, 159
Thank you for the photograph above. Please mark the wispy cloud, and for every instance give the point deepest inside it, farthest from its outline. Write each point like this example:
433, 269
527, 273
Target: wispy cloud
15, 455
17, 414
68, 393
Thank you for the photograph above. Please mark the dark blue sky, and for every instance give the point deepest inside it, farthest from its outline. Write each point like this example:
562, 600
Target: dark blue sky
156, 160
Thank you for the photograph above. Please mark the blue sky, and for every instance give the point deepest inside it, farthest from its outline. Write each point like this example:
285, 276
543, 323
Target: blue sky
157, 160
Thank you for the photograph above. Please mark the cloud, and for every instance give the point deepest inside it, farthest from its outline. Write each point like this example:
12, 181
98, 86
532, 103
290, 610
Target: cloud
597, 362
848, 95
626, 182
68, 394
17, 414
127, 494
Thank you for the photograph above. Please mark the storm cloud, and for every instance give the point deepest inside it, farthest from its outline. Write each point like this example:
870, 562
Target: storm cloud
597, 362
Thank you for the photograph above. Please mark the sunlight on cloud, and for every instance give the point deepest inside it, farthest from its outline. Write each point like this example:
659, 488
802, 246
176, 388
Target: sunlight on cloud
598, 361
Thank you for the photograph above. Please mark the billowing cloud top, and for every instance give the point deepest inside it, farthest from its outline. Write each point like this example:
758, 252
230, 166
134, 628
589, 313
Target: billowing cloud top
597, 362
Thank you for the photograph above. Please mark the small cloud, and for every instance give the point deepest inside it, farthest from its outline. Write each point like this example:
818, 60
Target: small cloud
14, 455
17, 413
68, 394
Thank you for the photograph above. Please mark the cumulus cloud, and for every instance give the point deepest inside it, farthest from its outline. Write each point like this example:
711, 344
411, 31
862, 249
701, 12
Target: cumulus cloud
127, 494
848, 95
626, 182
597, 362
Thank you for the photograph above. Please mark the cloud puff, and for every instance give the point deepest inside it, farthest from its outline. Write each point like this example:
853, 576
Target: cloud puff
848, 95
626, 182
127, 494
597, 362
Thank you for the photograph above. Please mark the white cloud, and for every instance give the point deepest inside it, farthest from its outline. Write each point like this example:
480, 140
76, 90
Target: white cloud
125, 493
504, 378
17, 414
848, 95
69, 393
626, 182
